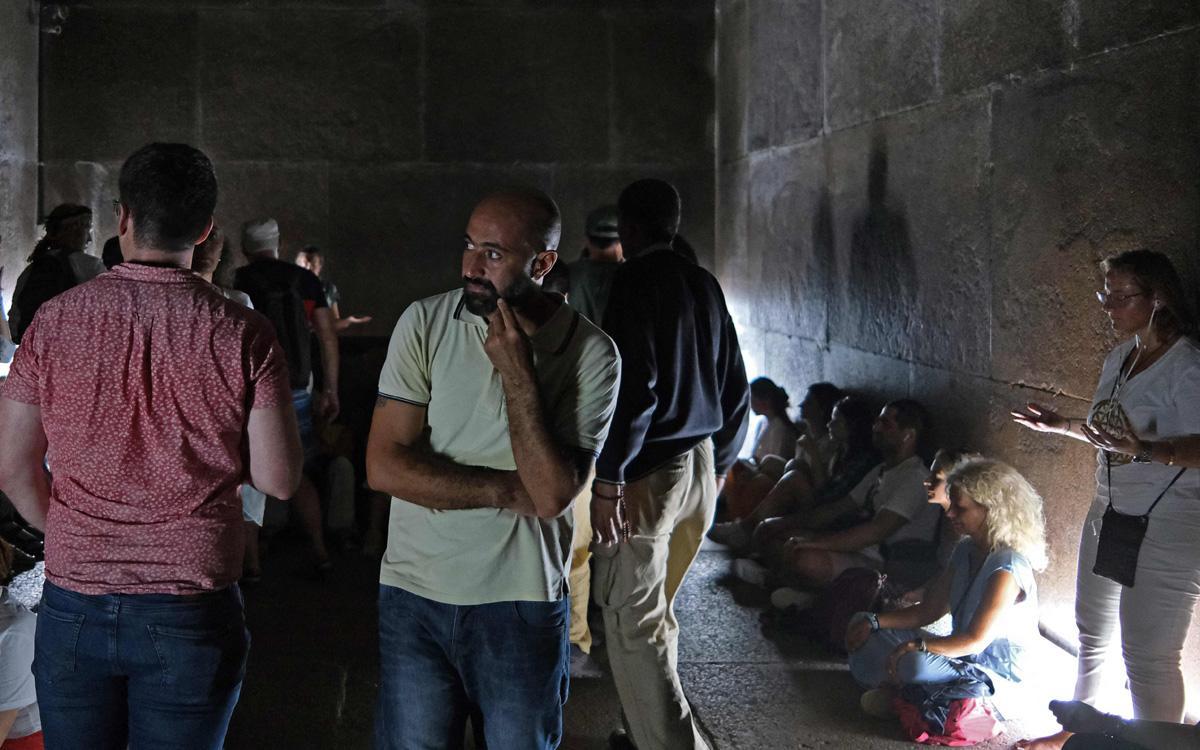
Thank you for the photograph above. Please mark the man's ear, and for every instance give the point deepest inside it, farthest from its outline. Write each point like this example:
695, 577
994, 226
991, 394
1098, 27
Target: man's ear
542, 263
207, 231
124, 220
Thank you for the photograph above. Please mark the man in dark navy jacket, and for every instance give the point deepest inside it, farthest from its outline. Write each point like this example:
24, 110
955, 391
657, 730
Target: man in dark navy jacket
680, 420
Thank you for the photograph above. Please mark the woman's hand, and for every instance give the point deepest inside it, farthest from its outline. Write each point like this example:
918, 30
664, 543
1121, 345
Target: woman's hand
894, 658
857, 634
1038, 417
1105, 440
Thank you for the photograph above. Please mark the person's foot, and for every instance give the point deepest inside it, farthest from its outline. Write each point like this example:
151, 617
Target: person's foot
732, 534
878, 703
786, 598
619, 740
583, 666
1052, 742
750, 572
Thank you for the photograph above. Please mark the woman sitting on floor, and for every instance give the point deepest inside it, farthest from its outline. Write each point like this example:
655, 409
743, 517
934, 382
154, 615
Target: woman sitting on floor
801, 489
988, 589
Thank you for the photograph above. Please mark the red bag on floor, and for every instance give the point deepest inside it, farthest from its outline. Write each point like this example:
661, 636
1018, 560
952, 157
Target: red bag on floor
969, 722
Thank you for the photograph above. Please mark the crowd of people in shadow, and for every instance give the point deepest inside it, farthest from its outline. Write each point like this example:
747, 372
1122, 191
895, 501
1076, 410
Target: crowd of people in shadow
928, 581
547, 438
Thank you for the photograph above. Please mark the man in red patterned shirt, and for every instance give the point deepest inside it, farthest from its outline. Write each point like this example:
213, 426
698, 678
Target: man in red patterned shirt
152, 397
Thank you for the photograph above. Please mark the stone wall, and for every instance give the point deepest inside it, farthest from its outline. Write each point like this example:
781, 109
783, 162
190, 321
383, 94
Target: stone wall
18, 140
370, 127
913, 197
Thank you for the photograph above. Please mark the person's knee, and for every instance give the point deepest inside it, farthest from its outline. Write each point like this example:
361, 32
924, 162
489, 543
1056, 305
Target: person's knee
813, 566
911, 668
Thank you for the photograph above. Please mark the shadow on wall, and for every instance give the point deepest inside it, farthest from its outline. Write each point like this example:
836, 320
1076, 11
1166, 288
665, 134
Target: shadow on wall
882, 290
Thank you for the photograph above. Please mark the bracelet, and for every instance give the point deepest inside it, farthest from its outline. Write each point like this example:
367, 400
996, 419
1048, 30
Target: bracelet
619, 494
1170, 452
872, 620
920, 642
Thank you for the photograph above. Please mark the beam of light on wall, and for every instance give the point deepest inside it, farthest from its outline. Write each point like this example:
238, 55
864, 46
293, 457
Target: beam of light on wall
747, 340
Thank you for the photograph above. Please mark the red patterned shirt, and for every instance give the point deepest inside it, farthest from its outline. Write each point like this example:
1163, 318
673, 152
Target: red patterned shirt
145, 378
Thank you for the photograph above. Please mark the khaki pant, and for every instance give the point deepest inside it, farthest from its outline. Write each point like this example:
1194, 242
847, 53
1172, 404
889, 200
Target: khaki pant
579, 577
637, 581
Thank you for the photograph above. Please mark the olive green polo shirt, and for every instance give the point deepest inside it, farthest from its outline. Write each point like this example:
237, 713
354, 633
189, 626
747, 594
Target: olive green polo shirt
436, 360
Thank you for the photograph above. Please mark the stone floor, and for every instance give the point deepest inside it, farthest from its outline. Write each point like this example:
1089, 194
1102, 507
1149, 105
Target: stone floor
313, 674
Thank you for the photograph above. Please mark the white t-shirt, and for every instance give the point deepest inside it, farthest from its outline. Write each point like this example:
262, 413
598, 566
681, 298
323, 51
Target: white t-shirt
1160, 402
900, 489
776, 436
17, 626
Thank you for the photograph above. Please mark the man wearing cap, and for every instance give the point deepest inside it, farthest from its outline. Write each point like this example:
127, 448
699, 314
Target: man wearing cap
592, 275
493, 402
680, 420
293, 299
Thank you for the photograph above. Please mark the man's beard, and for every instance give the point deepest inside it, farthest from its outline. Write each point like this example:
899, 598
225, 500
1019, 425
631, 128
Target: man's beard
482, 302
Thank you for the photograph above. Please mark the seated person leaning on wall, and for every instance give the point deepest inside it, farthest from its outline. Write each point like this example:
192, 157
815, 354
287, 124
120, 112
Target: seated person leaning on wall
988, 589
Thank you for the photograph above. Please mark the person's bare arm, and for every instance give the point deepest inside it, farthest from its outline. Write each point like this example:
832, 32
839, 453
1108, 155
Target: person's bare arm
323, 323
1001, 593
1041, 419
22, 455
856, 538
276, 455
7, 719
826, 515
552, 473
398, 466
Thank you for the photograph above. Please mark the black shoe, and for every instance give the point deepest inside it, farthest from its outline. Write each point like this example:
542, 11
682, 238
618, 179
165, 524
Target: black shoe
619, 740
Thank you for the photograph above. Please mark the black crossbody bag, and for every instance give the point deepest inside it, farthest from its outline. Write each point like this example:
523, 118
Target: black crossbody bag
1121, 537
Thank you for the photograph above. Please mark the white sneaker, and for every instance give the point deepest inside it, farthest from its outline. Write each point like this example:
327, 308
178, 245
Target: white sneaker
878, 703
731, 534
750, 572
786, 598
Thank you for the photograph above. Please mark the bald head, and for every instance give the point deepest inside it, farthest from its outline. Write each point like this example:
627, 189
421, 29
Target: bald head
537, 213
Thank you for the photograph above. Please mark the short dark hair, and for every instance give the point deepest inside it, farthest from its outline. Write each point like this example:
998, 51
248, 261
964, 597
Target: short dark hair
170, 190
910, 415
771, 392
653, 205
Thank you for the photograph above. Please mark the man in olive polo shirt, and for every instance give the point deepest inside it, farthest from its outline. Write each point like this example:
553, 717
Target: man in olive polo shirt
493, 403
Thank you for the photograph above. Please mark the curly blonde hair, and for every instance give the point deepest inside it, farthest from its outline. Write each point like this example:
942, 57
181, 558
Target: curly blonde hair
1014, 518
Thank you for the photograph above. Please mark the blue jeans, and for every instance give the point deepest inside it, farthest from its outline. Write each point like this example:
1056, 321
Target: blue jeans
505, 664
143, 670
302, 402
868, 665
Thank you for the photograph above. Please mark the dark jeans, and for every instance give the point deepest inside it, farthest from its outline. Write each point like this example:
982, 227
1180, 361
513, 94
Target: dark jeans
505, 664
1098, 742
143, 670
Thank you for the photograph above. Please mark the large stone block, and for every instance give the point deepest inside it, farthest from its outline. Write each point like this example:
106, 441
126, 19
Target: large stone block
910, 217
739, 278
879, 57
871, 375
18, 220
984, 41
338, 85
399, 231
1110, 23
18, 83
580, 188
794, 363
791, 241
786, 96
92, 184
295, 195
504, 86
733, 78
117, 78
1087, 163
662, 87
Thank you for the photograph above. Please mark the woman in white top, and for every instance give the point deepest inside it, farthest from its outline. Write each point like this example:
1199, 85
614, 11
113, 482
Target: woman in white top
1149, 389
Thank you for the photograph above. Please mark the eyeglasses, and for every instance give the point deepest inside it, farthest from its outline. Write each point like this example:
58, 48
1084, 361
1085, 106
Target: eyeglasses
1116, 300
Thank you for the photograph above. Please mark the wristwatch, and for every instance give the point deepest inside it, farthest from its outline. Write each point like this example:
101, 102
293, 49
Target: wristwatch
1145, 455
921, 645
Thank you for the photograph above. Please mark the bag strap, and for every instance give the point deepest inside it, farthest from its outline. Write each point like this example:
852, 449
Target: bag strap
1164, 492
